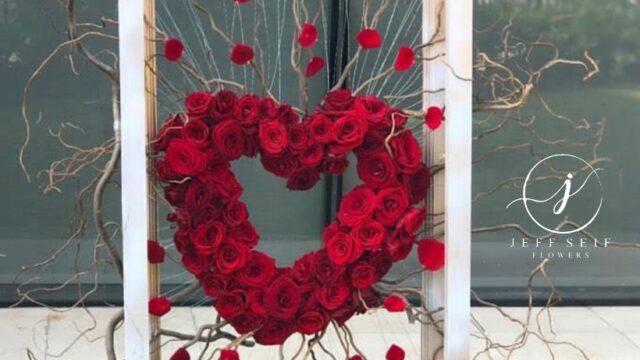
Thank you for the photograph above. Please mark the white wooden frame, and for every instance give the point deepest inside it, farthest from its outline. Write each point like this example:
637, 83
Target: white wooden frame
135, 213
450, 289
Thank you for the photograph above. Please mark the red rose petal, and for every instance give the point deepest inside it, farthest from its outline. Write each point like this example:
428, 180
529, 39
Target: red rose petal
159, 306
173, 49
308, 35
395, 353
155, 252
241, 1
180, 354
369, 39
228, 354
405, 59
431, 254
314, 66
242, 54
433, 117
356, 357
395, 303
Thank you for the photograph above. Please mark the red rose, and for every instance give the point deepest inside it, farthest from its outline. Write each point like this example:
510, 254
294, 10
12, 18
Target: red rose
196, 133
197, 103
227, 185
235, 213
195, 263
159, 306
363, 276
231, 303
173, 49
257, 301
283, 298
371, 108
229, 139
198, 194
213, 283
245, 233
417, 184
171, 129
373, 143
356, 357
208, 237
247, 110
406, 152
246, 322
369, 39
320, 128
395, 303
229, 354
377, 169
392, 202
185, 159
222, 105
357, 206
287, 115
273, 333
369, 234
302, 268
180, 354
182, 239
348, 134
404, 59
155, 252
298, 137
411, 221
324, 269
332, 296
279, 165
259, 271
338, 100
314, 66
312, 321
395, 353
303, 179
308, 35
334, 164
232, 256
268, 108
433, 117
174, 193
273, 137
312, 155
241, 54
382, 262
342, 249
431, 254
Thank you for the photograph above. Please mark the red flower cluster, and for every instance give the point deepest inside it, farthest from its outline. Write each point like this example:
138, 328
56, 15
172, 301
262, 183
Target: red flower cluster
376, 224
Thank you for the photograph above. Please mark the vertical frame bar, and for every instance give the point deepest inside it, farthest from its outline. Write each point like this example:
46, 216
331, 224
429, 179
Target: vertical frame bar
135, 212
458, 141
433, 78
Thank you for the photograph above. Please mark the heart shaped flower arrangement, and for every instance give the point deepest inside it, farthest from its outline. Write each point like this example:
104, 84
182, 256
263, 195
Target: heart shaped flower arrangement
376, 224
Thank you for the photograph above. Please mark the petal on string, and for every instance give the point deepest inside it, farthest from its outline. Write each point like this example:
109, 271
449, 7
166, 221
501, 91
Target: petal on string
314, 66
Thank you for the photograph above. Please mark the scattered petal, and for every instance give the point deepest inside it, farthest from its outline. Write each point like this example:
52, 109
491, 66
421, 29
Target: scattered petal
241, 1
356, 357
173, 49
314, 66
395, 353
431, 254
369, 39
228, 354
433, 117
405, 59
242, 54
308, 35
155, 252
395, 303
159, 306
180, 354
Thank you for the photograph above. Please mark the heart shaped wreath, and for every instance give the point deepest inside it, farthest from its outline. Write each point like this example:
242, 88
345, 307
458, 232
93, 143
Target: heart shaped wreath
376, 224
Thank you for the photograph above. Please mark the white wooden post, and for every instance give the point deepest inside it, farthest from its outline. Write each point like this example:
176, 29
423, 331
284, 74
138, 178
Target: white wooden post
134, 178
451, 289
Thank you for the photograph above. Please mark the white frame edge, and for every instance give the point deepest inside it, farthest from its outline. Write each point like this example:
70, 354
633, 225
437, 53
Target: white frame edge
458, 148
134, 179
